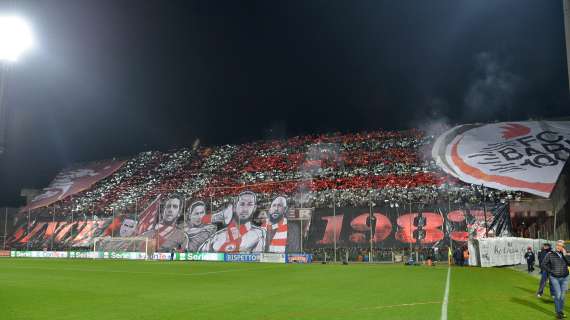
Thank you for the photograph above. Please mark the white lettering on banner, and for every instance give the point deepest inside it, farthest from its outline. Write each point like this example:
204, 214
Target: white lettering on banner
525, 156
205, 256
161, 256
241, 257
125, 255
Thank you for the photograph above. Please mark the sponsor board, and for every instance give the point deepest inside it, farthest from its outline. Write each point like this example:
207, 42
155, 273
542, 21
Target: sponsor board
4, 253
299, 258
273, 257
39, 254
242, 257
161, 256
125, 255
85, 255
200, 256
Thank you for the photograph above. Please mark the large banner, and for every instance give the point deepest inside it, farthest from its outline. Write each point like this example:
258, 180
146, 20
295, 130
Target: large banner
524, 156
73, 180
505, 251
172, 223
47, 234
428, 226
185, 225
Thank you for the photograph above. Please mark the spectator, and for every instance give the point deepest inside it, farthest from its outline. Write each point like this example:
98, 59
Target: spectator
556, 265
543, 274
458, 257
529, 257
465, 256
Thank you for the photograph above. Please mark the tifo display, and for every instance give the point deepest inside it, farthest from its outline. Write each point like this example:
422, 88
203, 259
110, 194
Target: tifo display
366, 190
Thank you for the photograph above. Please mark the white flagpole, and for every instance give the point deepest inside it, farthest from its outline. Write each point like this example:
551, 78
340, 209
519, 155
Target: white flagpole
5, 226
28, 243
53, 224
112, 222
71, 238
334, 225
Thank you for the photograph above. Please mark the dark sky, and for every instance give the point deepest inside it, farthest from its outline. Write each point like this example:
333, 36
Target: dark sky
112, 78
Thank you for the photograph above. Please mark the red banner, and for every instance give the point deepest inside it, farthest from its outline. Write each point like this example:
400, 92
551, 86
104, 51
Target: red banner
73, 180
148, 217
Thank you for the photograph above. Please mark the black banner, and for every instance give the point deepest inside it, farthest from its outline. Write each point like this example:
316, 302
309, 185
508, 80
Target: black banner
428, 226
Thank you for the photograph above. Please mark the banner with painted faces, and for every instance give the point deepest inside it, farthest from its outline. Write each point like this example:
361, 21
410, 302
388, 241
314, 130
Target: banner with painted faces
394, 227
173, 223
242, 226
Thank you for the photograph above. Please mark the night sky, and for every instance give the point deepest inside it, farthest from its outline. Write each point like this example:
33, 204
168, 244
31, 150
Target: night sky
113, 78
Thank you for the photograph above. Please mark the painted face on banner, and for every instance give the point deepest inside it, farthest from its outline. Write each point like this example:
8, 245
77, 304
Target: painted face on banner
198, 212
262, 218
277, 209
128, 228
245, 207
171, 210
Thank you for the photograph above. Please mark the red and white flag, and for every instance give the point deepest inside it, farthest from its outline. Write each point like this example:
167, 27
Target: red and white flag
148, 218
73, 180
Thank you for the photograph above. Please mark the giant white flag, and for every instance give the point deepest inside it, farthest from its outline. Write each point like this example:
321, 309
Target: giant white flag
523, 156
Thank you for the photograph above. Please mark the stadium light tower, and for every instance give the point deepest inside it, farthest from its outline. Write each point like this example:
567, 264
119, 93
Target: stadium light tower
15, 39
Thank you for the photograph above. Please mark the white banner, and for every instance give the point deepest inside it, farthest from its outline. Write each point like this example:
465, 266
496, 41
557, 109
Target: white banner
524, 156
506, 251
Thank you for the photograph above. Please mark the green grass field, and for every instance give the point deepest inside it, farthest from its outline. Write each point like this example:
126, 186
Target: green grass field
113, 289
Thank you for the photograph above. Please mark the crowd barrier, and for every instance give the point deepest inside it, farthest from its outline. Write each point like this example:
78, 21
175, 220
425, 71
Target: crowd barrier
190, 256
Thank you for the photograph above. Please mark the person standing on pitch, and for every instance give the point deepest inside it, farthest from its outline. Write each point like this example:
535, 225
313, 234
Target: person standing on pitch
465, 257
529, 257
556, 264
543, 274
458, 256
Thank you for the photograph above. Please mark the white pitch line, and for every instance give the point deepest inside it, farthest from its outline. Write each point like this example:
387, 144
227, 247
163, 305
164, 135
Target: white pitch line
405, 305
446, 295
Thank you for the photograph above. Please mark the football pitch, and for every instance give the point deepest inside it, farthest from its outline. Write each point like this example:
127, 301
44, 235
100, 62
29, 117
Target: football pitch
120, 289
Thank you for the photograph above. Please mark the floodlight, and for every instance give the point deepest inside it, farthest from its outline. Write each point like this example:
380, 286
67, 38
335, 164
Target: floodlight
15, 38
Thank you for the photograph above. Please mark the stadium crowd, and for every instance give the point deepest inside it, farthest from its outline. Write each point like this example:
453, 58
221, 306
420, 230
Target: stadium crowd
391, 167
